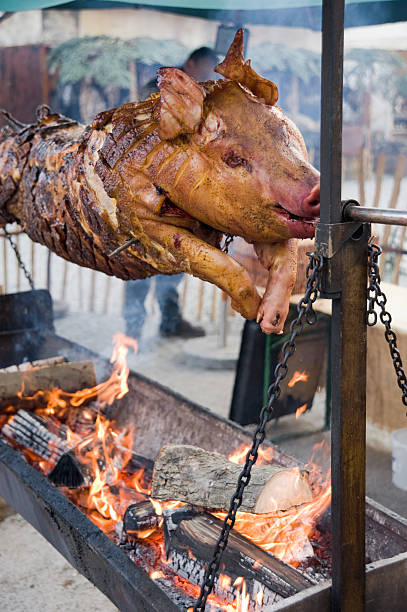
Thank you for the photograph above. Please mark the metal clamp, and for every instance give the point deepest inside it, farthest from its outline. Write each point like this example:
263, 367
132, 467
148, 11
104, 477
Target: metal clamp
329, 241
330, 237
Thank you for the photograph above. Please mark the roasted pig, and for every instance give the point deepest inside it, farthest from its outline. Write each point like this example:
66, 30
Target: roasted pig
171, 174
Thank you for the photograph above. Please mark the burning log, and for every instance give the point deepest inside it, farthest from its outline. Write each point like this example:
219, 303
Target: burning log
70, 463
140, 517
48, 441
33, 433
206, 479
189, 542
46, 374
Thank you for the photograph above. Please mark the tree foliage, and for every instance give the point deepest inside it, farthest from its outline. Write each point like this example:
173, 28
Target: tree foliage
269, 57
106, 60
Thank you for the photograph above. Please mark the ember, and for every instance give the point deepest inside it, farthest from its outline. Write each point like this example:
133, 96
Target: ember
117, 480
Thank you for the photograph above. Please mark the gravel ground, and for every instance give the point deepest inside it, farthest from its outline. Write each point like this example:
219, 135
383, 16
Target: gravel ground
34, 577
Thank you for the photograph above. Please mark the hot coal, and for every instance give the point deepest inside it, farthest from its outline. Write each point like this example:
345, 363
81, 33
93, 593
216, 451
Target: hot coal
140, 517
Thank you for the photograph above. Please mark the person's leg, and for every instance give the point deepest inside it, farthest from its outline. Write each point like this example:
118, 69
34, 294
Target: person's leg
172, 323
168, 300
134, 311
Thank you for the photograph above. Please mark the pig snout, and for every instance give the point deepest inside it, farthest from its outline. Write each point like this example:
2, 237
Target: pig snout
310, 206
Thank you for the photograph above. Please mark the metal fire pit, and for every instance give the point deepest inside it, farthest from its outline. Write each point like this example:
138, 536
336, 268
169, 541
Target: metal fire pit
168, 417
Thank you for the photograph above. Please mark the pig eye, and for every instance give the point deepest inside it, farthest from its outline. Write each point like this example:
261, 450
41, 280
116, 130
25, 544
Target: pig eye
234, 160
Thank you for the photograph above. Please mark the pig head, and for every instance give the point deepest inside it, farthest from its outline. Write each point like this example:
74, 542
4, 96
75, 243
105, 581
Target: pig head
240, 166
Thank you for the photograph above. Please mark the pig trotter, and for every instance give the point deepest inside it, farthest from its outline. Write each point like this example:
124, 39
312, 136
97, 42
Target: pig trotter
200, 259
281, 262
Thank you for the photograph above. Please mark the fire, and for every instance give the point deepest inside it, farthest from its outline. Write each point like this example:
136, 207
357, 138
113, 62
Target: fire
300, 411
239, 455
259, 597
224, 582
156, 574
241, 603
106, 452
286, 534
298, 377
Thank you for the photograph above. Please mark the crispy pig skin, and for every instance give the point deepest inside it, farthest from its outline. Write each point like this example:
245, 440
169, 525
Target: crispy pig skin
174, 172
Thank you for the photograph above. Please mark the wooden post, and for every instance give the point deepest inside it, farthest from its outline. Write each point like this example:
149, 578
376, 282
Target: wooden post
184, 293
362, 156
214, 302
397, 259
4, 262
33, 261
381, 165
200, 299
64, 280
17, 238
398, 176
92, 291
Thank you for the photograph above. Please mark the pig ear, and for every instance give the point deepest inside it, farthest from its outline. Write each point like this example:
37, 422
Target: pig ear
236, 69
181, 103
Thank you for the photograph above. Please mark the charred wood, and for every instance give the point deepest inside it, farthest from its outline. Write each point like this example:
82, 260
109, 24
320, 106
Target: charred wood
189, 542
33, 433
207, 479
140, 517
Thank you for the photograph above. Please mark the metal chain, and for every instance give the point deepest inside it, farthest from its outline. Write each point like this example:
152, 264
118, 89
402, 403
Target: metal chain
20, 261
305, 311
376, 296
228, 242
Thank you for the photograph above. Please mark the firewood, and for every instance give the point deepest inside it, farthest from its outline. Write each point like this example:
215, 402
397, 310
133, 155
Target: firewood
207, 479
34, 433
190, 538
140, 517
29, 378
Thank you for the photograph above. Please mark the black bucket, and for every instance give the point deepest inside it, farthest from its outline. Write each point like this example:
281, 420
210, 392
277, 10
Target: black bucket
309, 357
25, 318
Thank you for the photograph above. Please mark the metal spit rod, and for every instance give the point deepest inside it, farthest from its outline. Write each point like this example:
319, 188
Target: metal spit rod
375, 215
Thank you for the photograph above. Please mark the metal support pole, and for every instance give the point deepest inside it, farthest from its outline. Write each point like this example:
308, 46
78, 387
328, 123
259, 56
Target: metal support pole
346, 281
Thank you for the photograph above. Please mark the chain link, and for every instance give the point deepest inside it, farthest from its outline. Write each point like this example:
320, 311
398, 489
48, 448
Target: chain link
20, 261
228, 242
376, 296
305, 314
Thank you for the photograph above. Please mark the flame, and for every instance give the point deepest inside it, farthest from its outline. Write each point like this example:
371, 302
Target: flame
156, 574
259, 597
239, 455
106, 453
241, 603
297, 377
300, 411
224, 582
286, 534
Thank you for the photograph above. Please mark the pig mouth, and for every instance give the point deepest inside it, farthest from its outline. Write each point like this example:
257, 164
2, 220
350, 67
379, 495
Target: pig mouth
299, 227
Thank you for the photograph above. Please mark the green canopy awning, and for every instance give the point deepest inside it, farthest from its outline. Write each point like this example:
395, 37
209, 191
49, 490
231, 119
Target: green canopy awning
305, 13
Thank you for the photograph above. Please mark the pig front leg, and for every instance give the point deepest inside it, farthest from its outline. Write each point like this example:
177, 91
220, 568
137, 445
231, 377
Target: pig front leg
280, 259
208, 263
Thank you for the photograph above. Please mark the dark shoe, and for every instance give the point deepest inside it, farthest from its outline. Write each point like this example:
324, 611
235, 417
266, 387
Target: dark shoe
184, 329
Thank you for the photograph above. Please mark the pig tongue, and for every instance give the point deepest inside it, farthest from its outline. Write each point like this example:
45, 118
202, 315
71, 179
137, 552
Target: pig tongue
300, 227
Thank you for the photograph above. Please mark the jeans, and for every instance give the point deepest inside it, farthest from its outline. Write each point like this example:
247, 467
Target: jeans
166, 293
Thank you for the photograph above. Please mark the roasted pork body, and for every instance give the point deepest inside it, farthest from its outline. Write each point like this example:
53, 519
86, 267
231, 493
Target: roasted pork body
173, 174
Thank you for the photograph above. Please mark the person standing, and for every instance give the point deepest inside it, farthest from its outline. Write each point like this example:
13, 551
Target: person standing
199, 65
